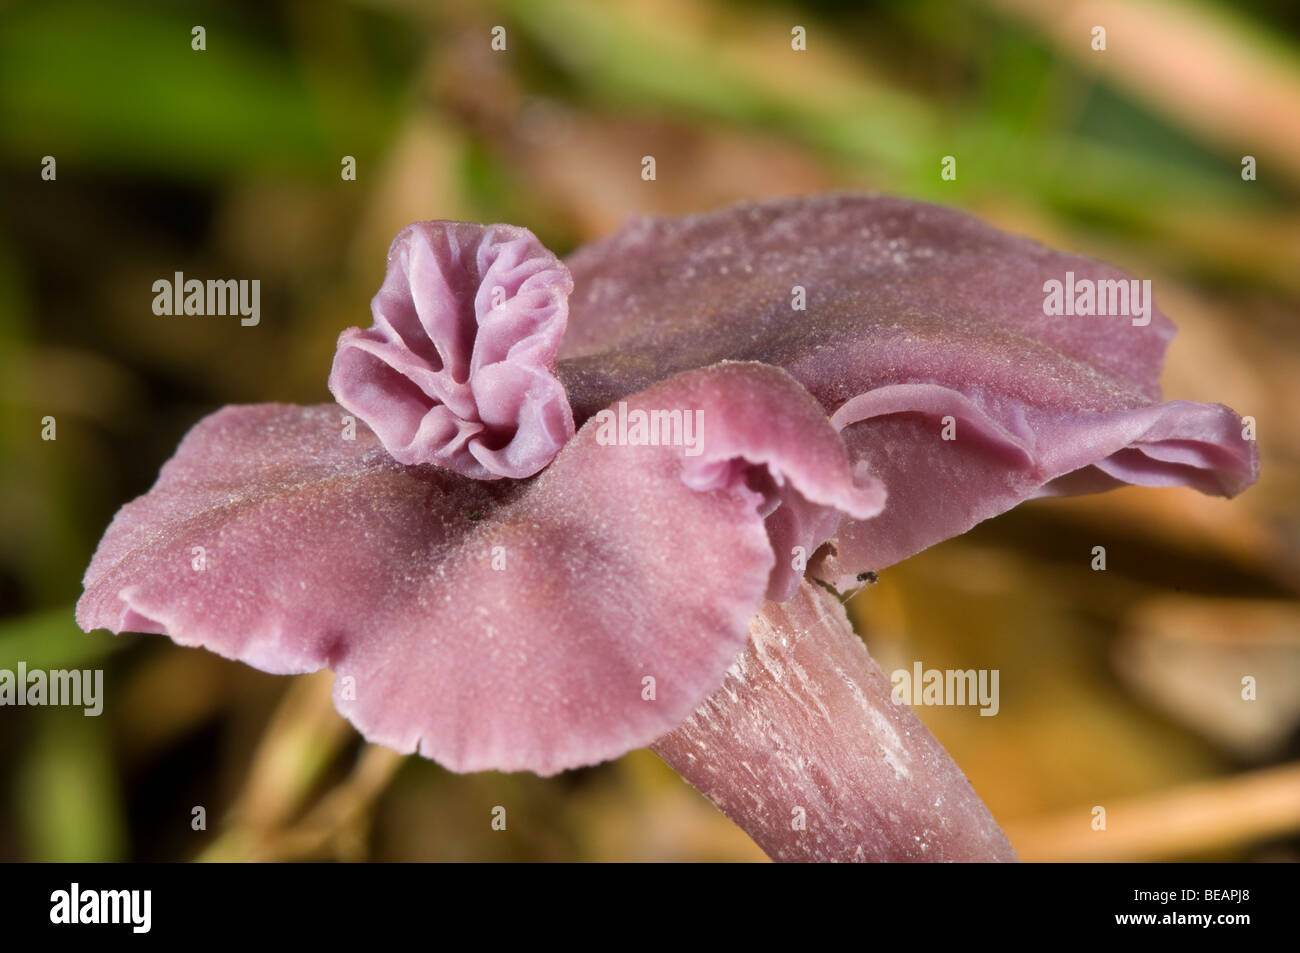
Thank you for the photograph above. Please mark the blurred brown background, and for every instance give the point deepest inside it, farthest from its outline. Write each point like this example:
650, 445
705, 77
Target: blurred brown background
1119, 689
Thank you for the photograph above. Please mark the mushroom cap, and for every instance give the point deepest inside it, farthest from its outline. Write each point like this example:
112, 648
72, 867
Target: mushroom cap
896, 314
487, 624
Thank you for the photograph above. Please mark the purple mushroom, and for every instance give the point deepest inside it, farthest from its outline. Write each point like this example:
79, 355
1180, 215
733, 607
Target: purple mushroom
521, 549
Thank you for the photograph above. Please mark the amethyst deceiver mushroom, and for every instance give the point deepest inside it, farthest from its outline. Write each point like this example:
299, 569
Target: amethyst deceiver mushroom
525, 527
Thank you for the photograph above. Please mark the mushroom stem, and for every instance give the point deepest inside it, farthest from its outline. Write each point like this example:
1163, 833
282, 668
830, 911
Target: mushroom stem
804, 748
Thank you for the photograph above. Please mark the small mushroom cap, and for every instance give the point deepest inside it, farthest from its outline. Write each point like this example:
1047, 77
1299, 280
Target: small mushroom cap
458, 367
